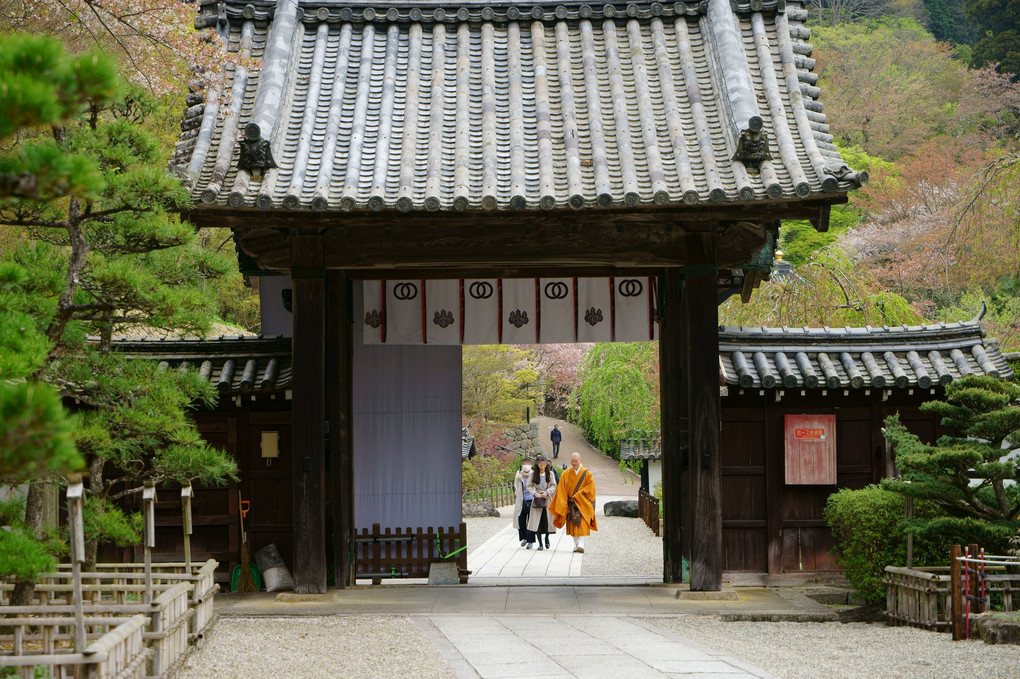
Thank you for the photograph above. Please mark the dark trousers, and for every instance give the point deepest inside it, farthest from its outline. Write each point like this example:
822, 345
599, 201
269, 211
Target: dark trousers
522, 523
556, 448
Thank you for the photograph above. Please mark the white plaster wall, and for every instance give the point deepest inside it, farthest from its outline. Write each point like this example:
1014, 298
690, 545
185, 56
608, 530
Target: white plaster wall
276, 320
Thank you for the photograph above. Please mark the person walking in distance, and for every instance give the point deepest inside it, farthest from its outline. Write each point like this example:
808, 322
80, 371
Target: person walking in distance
574, 502
522, 504
556, 436
542, 486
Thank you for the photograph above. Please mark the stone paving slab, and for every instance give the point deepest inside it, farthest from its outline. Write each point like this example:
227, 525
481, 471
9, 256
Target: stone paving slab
588, 647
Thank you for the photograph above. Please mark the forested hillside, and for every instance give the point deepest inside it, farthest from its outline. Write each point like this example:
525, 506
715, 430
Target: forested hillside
913, 98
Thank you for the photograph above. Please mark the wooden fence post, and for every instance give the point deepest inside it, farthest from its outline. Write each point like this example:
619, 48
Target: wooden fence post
75, 497
956, 592
186, 512
149, 533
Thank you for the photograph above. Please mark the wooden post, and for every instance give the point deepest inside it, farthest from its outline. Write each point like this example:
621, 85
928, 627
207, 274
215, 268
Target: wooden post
673, 422
75, 497
956, 592
149, 533
186, 521
309, 408
339, 386
701, 324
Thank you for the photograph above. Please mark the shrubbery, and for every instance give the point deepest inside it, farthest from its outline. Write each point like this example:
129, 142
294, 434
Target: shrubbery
482, 471
867, 527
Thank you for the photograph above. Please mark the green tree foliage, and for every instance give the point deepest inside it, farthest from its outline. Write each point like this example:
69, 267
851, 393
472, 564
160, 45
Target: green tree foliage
999, 24
619, 392
101, 249
828, 290
483, 471
964, 473
948, 21
888, 84
22, 553
500, 382
869, 530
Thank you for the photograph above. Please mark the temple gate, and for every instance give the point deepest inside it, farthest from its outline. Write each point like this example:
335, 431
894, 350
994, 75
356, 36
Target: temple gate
469, 141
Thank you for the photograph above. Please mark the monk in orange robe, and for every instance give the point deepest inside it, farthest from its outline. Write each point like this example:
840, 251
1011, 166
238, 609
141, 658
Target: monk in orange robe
567, 499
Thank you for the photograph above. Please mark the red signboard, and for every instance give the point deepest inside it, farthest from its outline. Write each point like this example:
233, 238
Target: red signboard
810, 449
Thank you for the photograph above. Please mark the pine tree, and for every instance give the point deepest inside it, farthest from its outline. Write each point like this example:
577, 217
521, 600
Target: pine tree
99, 248
964, 473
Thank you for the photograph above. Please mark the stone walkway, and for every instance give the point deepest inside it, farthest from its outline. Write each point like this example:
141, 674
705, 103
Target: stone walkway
589, 646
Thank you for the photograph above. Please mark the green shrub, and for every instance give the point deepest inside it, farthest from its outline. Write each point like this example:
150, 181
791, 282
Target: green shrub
483, 471
867, 525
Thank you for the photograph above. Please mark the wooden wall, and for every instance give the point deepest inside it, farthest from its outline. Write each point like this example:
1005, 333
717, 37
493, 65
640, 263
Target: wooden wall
768, 527
772, 527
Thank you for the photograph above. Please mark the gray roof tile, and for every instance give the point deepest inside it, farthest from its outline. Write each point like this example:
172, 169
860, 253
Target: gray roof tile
480, 106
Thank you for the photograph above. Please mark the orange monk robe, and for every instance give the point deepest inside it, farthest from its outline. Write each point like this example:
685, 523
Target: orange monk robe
584, 499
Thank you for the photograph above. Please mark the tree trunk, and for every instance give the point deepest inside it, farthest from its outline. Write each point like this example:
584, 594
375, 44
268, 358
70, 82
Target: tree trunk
35, 506
96, 489
79, 254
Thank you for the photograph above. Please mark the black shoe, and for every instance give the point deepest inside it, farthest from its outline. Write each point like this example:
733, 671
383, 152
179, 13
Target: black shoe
547, 544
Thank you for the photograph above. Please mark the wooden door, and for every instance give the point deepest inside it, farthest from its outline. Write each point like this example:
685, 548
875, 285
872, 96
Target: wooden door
744, 506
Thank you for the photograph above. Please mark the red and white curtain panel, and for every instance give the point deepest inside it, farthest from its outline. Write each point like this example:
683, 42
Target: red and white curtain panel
509, 310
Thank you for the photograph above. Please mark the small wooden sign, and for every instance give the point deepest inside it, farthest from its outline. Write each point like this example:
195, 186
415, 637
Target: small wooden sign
811, 450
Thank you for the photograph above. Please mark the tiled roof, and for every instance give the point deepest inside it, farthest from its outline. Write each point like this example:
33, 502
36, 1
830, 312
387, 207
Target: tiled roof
751, 358
858, 358
236, 365
497, 106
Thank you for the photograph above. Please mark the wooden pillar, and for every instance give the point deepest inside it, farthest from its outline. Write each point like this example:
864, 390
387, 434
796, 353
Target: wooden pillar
309, 408
673, 423
701, 320
339, 392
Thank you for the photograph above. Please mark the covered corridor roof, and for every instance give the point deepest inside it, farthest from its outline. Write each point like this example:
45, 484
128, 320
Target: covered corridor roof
346, 106
902, 357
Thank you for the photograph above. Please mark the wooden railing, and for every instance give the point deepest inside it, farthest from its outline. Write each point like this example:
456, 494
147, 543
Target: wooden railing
38, 644
406, 553
166, 618
943, 599
648, 510
917, 598
499, 496
177, 618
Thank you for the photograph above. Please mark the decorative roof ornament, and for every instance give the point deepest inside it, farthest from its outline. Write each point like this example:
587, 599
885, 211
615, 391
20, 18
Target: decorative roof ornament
753, 145
256, 155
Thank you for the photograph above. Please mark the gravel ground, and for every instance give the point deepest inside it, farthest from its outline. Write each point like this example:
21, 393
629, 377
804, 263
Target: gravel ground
847, 650
622, 546
305, 648
482, 528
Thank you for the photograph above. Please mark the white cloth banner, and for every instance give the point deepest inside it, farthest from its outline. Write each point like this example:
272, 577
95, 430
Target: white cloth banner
632, 311
404, 307
520, 317
556, 315
481, 311
509, 311
442, 312
372, 318
594, 310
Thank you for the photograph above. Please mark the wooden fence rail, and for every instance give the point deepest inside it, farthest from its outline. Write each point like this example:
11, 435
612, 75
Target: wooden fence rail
166, 619
916, 598
500, 496
119, 653
924, 597
648, 510
408, 553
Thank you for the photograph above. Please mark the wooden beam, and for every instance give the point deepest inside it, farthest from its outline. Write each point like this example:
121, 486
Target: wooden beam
217, 216
673, 423
701, 321
309, 418
339, 392
456, 245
